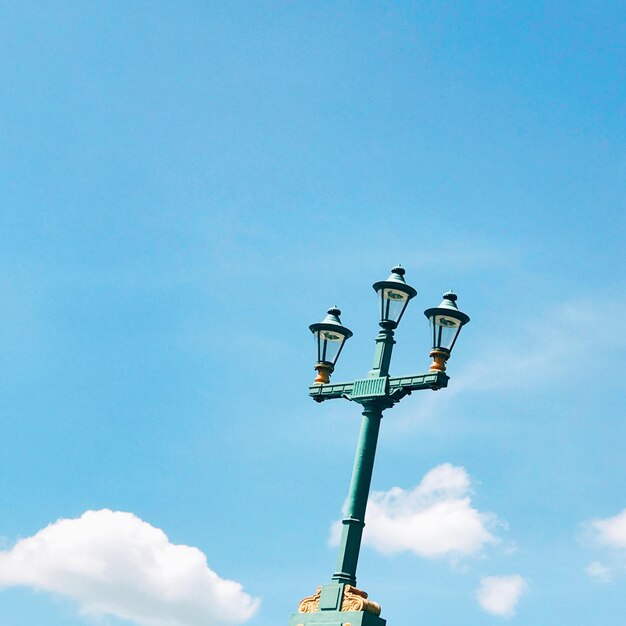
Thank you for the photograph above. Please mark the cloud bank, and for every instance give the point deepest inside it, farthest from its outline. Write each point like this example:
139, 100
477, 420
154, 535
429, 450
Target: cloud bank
111, 562
499, 595
434, 519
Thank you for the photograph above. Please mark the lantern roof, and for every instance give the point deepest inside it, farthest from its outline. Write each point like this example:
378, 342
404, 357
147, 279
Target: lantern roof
332, 322
448, 307
396, 281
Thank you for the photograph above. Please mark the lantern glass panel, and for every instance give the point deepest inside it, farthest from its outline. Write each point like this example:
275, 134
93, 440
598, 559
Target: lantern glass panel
445, 329
392, 304
329, 344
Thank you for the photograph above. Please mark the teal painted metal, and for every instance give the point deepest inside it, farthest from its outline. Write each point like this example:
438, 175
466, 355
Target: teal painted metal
421, 381
382, 353
336, 618
372, 394
354, 520
376, 393
369, 387
330, 597
403, 385
331, 390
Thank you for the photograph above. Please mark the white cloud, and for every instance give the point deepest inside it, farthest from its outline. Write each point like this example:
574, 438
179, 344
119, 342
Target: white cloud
611, 531
608, 533
434, 519
499, 595
112, 562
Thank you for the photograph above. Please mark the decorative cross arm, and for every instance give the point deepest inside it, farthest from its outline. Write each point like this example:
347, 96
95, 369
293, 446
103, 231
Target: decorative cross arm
393, 387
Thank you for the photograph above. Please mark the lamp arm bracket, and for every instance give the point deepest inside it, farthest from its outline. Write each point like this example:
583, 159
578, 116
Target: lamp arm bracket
414, 382
329, 391
394, 388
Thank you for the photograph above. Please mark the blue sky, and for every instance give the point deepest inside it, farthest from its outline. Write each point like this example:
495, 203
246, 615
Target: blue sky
185, 187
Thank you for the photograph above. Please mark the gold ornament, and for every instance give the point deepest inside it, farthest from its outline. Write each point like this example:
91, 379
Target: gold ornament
356, 600
310, 604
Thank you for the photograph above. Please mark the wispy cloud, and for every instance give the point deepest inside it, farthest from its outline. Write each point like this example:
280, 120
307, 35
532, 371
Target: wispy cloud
600, 572
555, 343
113, 563
608, 534
499, 595
435, 519
558, 342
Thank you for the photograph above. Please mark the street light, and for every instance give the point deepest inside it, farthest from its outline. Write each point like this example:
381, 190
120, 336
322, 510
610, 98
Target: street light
446, 322
394, 295
340, 603
330, 337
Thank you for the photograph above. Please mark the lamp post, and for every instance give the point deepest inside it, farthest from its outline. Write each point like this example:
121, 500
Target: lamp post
340, 603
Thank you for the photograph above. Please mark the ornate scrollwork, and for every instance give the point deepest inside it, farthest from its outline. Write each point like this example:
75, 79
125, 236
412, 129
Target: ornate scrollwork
356, 600
310, 604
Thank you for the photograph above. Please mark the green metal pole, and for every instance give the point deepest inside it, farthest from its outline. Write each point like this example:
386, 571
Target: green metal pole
382, 353
354, 519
